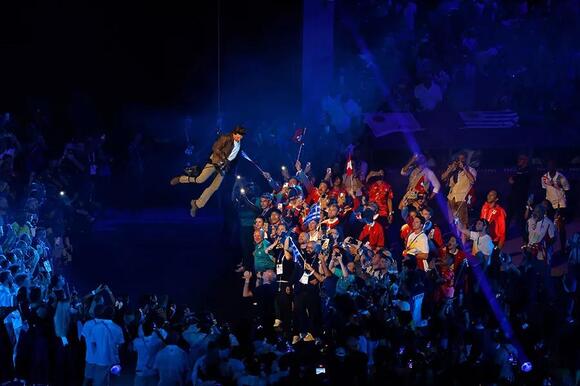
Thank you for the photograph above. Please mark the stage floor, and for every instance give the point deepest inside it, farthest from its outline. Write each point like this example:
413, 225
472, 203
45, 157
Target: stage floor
161, 251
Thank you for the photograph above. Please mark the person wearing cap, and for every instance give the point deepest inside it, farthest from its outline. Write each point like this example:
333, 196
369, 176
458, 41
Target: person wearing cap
293, 208
224, 151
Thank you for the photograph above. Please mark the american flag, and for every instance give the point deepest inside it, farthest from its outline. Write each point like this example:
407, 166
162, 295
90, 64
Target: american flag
313, 214
489, 119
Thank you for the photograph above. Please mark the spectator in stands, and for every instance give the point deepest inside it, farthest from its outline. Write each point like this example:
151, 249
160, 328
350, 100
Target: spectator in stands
103, 339
428, 94
417, 244
171, 362
460, 178
482, 243
556, 186
422, 182
495, 215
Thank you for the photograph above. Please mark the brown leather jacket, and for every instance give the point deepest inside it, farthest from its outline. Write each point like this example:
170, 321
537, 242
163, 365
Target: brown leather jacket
222, 148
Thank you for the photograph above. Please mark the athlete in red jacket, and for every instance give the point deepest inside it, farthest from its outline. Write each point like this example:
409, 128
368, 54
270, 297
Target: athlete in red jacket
496, 216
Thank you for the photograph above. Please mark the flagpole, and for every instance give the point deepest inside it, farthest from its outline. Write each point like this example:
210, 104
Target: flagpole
252, 161
301, 144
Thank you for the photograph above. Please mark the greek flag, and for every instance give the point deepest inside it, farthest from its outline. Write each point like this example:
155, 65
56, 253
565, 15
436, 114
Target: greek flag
295, 252
313, 214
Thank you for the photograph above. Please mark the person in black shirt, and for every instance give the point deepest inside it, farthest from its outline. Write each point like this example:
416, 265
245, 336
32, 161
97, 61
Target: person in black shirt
264, 296
284, 294
518, 195
307, 304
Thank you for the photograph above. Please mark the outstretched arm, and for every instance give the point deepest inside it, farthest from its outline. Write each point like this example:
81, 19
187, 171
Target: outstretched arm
247, 293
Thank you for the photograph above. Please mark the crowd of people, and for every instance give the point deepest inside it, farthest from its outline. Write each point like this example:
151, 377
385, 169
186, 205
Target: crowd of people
334, 293
336, 290
460, 55
48, 196
345, 281
442, 301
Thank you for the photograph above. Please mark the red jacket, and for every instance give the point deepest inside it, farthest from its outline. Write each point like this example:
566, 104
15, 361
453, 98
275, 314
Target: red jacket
313, 196
373, 233
435, 235
496, 217
379, 192
337, 191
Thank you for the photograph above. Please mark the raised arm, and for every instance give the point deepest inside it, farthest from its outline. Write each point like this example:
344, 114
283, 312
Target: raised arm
408, 166
247, 293
447, 173
462, 229
435, 182
272, 182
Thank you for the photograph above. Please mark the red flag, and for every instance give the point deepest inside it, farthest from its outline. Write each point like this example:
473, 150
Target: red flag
298, 136
349, 169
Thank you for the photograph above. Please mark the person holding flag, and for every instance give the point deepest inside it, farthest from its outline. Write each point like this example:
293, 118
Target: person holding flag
422, 182
224, 151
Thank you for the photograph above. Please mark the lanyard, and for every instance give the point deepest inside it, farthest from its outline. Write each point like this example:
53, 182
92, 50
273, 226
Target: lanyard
415, 239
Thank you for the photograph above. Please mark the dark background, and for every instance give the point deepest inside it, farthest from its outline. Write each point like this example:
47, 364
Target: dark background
91, 64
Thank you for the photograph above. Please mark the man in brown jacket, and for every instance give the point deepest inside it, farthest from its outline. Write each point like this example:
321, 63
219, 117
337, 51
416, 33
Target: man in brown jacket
224, 150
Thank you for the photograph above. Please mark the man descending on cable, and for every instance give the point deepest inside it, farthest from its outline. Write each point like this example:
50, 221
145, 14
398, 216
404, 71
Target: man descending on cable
224, 150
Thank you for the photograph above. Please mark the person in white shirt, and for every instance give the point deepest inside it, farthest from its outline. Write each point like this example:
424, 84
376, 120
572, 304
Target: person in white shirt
482, 243
172, 363
460, 178
103, 338
147, 345
417, 244
541, 231
6, 295
422, 180
556, 185
429, 94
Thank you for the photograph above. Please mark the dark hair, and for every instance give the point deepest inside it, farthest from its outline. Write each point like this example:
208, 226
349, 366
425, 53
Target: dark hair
4, 275
428, 210
35, 294
20, 278
484, 222
239, 130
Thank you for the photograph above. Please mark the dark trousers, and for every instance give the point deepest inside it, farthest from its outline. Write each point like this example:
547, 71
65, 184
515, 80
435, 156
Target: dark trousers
308, 311
284, 299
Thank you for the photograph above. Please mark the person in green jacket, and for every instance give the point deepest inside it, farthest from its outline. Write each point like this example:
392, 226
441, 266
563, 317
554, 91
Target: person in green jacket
262, 260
